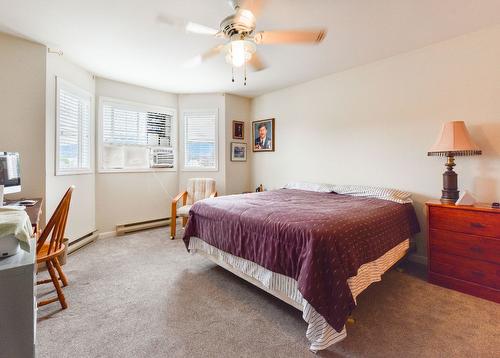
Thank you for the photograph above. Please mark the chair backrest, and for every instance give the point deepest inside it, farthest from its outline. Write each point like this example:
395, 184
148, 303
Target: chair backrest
199, 188
56, 225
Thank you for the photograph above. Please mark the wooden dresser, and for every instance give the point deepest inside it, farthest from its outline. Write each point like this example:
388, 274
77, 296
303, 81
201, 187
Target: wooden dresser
464, 248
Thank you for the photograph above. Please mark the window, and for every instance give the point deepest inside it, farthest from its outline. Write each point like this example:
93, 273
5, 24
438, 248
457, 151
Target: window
136, 137
73, 129
200, 140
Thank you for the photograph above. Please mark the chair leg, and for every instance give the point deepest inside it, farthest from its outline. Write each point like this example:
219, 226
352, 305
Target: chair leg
173, 228
62, 275
184, 221
173, 221
60, 294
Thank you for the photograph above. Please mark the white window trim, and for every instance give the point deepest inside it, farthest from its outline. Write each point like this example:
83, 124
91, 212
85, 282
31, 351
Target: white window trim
60, 82
152, 108
184, 141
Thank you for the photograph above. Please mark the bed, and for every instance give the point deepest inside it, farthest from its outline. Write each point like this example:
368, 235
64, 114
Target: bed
316, 249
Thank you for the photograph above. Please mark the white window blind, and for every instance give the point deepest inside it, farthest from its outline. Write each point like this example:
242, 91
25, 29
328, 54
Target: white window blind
136, 136
73, 138
200, 144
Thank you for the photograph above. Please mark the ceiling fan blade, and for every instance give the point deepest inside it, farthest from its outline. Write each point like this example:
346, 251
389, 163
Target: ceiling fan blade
198, 60
247, 11
256, 63
214, 51
187, 26
289, 37
255, 6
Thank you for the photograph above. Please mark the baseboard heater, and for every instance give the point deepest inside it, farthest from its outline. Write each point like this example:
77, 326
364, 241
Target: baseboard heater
143, 225
81, 242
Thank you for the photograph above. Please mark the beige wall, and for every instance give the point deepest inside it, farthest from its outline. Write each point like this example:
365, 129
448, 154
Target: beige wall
22, 109
237, 173
81, 220
374, 124
123, 198
203, 102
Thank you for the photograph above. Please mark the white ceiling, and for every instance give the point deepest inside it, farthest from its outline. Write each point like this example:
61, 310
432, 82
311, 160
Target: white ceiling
122, 40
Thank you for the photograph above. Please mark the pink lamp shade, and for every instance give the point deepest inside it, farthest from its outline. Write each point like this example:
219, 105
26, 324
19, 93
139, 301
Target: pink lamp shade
454, 140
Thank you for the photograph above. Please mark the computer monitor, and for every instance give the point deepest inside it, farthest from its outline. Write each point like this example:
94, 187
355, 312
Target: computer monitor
10, 172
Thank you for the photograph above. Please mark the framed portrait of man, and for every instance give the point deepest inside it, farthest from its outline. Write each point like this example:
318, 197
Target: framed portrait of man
238, 130
263, 135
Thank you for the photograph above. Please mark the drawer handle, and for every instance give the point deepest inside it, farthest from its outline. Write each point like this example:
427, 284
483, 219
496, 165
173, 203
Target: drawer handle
476, 249
477, 225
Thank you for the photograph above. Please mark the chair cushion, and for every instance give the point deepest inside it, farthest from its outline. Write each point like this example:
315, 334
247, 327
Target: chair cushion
184, 210
199, 188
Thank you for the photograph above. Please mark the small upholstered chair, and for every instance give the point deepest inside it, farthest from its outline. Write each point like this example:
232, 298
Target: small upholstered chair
197, 189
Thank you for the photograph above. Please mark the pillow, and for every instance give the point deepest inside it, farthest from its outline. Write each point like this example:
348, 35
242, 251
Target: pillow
394, 195
300, 185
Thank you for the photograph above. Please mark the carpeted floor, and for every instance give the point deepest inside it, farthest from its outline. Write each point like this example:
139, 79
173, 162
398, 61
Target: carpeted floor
143, 295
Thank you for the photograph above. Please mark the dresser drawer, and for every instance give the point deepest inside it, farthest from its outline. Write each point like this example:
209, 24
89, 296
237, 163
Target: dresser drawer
465, 221
481, 272
475, 247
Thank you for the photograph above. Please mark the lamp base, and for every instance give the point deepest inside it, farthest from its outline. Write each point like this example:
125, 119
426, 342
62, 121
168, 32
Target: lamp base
450, 193
447, 200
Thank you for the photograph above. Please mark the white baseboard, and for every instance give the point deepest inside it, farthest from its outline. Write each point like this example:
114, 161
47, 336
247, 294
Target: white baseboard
419, 259
81, 242
143, 225
105, 235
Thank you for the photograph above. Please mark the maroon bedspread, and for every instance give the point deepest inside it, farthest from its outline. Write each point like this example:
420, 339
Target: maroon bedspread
319, 239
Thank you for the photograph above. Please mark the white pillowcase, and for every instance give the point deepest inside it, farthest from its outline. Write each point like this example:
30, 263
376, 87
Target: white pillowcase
397, 196
301, 185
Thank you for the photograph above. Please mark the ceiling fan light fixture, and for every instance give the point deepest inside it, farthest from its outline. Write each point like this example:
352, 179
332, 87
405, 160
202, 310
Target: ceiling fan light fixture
239, 51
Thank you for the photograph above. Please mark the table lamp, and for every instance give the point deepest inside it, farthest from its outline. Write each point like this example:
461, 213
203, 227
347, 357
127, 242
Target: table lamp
454, 140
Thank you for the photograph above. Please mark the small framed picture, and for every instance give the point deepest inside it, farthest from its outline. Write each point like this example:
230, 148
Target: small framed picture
238, 152
238, 130
263, 135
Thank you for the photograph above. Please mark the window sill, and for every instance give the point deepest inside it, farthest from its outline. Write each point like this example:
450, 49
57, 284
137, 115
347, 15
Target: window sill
200, 169
73, 172
145, 170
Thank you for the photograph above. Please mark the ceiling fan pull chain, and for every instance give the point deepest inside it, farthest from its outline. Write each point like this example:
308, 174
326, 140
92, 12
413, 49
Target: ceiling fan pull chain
232, 73
245, 82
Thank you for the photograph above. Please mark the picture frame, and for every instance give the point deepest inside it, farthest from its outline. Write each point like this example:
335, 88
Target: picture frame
263, 134
238, 152
239, 130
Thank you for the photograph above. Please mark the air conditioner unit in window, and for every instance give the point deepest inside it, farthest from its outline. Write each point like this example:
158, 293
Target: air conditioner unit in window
162, 157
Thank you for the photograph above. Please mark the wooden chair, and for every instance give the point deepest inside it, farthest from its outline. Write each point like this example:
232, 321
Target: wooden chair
48, 252
197, 189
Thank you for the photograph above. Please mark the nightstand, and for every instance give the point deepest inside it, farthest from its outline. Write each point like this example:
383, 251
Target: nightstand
464, 248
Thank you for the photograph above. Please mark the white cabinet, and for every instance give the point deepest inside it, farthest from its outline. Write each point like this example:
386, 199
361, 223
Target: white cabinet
18, 304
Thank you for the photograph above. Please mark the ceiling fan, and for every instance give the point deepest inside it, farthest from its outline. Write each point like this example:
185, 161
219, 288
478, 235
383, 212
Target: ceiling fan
241, 38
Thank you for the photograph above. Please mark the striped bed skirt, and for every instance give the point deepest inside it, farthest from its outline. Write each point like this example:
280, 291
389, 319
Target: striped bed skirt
319, 333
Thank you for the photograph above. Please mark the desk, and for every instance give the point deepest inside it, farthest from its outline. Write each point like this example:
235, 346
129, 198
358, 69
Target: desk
17, 296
